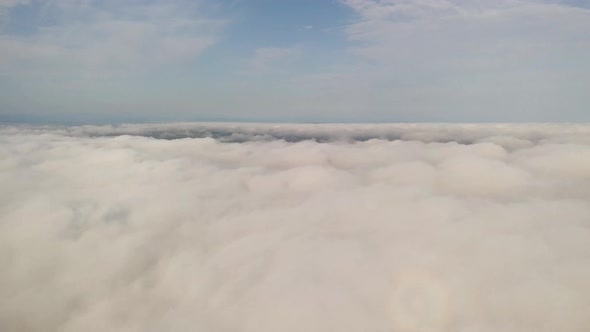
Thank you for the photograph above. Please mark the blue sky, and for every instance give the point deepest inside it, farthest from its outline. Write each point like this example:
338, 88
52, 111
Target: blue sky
295, 60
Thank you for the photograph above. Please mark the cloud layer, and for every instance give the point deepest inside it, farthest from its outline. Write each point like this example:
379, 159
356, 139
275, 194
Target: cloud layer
346, 228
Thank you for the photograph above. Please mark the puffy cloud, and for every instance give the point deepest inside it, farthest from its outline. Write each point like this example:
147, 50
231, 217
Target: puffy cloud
251, 227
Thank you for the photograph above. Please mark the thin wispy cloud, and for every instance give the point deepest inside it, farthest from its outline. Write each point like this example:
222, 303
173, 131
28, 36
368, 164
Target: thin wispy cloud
490, 55
349, 60
273, 59
98, 37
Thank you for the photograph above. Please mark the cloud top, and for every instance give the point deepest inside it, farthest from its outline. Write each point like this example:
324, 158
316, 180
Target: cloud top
377, 227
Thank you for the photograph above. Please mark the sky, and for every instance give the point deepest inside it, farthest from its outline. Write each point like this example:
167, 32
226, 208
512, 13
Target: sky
112, 61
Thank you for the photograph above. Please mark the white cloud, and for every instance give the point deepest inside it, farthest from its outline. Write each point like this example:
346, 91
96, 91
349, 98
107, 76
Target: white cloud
449, 227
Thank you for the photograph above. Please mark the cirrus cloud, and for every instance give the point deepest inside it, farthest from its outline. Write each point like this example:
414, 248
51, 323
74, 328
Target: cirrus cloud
104, 37
509, 60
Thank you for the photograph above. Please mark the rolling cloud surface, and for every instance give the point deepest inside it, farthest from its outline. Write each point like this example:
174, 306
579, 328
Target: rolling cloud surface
275, 227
